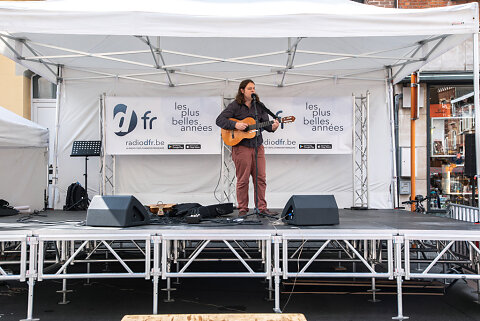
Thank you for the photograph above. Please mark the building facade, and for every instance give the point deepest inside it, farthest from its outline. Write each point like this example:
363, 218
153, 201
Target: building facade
445, 127
15, 86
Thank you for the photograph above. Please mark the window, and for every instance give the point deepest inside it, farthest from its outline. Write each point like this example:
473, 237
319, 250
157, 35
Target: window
42, 88
451, 119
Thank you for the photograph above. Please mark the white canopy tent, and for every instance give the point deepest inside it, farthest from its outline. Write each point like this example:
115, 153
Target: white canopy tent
230, 36
290, 48
23, 155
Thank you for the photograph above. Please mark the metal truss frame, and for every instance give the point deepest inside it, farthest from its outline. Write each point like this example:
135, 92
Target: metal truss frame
159, 65
360, 150
369, 258
21, 246
90, 245
443, 254
168, 245
107, 162
67, 255
168, 254
443, 249
171, 247
228, 175
371, 255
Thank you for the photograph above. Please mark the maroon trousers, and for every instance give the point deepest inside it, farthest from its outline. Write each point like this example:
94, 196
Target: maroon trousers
244, 160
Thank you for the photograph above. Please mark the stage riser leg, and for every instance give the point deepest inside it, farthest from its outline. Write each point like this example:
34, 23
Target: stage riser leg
277, 272
399, 272
31, 274
156, 271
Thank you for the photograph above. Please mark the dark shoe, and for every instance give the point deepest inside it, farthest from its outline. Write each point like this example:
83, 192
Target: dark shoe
269, 213
242, 213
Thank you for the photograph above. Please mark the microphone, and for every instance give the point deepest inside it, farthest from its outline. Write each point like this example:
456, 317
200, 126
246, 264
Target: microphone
254, 96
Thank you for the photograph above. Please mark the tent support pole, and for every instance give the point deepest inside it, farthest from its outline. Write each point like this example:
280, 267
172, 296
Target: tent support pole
157, 51
102, 139
57, 129
413, 118
476, 90
114, 188
167, 72
391, 108
41, 60
19, 57
292, 49
152, 50
17, 54
442, 38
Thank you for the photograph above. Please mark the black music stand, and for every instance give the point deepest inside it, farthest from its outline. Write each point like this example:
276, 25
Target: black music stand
85, 148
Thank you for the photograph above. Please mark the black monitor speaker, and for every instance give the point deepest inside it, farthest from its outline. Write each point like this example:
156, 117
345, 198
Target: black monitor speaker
311, 210
470, 158
116, 211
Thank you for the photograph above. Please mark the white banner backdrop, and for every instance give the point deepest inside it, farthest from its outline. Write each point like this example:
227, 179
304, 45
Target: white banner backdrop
162, 125
323, 125
178, 179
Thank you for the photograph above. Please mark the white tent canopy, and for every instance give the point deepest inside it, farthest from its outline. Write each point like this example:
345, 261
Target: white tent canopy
183, 18
194, 38
18, 132
23, 150
290, 48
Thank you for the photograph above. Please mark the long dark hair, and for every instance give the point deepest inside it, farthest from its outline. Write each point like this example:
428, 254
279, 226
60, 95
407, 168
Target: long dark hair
240, 98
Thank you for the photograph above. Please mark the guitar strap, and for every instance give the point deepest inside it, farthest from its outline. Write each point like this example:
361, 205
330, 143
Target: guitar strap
269, 111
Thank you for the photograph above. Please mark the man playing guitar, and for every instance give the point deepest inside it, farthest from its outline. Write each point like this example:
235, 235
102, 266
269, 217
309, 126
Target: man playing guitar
243, 154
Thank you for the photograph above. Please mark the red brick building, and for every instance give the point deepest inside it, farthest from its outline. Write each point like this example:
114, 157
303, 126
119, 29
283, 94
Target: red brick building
413, 4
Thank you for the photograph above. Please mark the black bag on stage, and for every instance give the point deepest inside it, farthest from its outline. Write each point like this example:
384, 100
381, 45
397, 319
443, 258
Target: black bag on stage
183, 209
216, 210
6, 209
75, 193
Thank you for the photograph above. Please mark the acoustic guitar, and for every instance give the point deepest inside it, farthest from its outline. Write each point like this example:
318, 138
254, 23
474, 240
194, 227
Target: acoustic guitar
232, 137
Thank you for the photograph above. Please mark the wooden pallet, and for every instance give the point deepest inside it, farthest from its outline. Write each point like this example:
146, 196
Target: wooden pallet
218, 317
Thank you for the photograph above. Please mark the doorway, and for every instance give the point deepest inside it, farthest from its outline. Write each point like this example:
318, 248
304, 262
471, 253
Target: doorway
43, 113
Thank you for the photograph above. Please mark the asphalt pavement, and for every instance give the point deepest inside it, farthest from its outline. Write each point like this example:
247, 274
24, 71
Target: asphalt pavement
111, 299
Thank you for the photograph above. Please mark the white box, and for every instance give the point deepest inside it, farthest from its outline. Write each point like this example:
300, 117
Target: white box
405, 162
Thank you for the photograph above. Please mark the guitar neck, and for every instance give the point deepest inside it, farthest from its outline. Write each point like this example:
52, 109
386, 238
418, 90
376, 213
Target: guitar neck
261, 125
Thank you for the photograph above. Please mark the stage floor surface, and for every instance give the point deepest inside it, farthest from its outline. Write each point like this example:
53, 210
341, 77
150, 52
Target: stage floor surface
351, 221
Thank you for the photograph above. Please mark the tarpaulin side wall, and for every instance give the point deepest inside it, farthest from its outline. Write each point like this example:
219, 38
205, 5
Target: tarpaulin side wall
194, 178
23, 159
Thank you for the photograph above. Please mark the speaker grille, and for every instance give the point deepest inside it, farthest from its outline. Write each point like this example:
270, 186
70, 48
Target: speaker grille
470, 157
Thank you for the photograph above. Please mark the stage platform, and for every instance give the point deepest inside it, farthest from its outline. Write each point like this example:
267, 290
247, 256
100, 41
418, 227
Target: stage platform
372, 220
369, 244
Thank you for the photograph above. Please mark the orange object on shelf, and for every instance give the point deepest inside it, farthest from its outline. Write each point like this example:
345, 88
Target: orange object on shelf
449, 168
440, 110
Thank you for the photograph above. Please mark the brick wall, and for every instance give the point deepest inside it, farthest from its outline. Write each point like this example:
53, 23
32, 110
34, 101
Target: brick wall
415, 4
381, 3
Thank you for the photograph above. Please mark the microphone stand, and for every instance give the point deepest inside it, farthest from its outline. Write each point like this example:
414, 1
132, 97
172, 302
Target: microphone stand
256, 211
